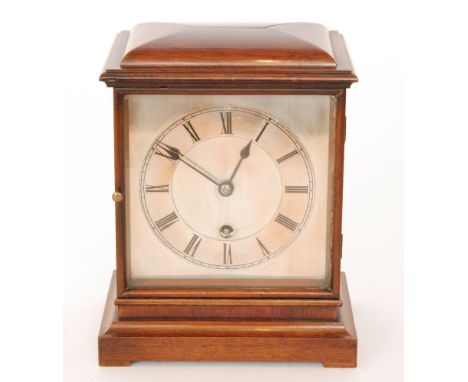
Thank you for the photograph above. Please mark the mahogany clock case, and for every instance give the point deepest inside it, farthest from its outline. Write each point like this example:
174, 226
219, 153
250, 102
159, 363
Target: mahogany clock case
196, 323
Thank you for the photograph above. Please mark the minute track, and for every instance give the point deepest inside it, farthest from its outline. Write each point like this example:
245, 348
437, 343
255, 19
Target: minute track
198, 247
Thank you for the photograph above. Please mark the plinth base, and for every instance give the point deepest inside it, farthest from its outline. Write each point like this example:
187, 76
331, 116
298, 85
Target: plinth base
332, 343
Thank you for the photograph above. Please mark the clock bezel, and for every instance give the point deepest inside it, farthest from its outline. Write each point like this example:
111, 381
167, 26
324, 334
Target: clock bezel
124, 291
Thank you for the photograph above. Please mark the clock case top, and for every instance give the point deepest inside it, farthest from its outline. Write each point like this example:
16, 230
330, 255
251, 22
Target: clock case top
294, 55
162, 58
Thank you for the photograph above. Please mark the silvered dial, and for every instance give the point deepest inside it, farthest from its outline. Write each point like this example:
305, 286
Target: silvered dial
237, 189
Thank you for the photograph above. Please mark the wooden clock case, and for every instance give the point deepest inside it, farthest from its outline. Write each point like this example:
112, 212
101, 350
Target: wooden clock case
228, 324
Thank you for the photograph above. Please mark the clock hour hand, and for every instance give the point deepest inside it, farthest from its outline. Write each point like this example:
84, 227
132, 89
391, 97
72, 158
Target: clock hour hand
244, 154
174, 153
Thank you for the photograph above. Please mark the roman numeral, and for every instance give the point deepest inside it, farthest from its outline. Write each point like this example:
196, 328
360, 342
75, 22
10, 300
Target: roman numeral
163, 188
192, 245
193, 134
170, 152
287, 156
264, 249
227, 259
286, 222
166, 221
261, 132
226, 118
157, 151
296, 189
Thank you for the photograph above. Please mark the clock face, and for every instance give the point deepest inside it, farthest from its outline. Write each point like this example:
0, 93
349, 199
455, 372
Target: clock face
228, 190
226, 187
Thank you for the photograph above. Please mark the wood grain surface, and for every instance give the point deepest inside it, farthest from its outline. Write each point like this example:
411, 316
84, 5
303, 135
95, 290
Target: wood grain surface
333, 343
228, 324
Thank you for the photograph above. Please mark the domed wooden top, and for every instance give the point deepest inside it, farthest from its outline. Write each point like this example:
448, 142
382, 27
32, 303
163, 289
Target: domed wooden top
154, 45
165, 54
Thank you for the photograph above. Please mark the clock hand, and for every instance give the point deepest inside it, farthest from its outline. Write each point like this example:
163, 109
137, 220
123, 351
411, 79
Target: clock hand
201, 170
244, 154
175, 154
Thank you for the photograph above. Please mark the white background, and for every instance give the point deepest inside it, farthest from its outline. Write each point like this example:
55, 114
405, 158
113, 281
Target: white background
56, 121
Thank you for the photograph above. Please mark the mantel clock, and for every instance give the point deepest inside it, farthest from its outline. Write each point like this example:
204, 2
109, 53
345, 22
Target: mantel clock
229, 148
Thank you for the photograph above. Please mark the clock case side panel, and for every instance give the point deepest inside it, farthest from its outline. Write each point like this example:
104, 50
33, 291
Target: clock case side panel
337, 147
125, 294
120, 157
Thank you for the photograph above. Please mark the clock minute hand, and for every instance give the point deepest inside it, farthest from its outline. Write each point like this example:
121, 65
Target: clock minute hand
200, 170
175, 154
244, 154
